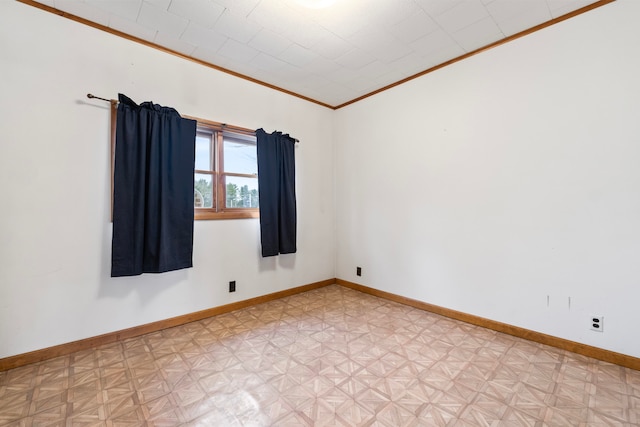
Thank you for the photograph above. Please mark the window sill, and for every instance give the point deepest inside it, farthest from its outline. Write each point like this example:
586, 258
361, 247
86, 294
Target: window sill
201, 214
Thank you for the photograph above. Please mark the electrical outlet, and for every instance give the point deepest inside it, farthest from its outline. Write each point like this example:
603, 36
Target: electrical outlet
597, 323
358, 271
232, 286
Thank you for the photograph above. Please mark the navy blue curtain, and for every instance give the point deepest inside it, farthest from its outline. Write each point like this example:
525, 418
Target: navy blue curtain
153, 190
277, 192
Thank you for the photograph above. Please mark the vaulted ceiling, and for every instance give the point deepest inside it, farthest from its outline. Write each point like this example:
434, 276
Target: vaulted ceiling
329, 51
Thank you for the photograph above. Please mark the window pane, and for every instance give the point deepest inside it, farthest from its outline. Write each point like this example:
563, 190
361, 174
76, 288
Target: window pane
240, 155
203, 151
242, 192
203, 191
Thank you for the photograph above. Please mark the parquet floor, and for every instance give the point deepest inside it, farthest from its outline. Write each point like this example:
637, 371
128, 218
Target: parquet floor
329, 357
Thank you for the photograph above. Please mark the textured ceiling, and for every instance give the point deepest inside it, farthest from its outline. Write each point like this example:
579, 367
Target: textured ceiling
332, 55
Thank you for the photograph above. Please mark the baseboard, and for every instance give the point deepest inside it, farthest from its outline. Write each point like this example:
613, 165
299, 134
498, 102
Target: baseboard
87, 343
84, 344
561, 343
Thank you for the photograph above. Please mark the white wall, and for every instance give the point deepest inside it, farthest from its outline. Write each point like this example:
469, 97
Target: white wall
55, 233
509, 176
484, 187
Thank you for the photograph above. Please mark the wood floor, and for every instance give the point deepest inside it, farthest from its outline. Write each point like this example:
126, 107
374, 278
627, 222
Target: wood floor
329, 357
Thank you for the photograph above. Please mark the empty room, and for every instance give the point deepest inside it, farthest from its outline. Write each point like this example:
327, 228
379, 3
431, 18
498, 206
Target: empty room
319, 213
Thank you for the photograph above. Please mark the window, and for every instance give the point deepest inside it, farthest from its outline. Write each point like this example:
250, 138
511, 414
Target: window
226, 172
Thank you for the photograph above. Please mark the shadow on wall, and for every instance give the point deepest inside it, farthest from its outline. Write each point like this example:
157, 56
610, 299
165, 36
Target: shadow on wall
285, 261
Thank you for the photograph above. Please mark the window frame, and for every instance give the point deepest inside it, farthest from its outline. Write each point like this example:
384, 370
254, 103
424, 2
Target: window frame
218, 173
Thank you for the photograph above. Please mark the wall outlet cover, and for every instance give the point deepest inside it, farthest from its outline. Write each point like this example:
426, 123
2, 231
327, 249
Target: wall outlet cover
597, 323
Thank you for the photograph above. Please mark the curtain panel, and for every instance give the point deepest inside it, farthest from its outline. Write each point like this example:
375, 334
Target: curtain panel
153, 190
277, 192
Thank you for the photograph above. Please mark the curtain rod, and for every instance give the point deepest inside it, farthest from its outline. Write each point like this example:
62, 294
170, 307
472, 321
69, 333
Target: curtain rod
91, 96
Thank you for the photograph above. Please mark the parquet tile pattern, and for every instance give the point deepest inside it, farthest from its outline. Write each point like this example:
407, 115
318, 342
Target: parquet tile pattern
328, 357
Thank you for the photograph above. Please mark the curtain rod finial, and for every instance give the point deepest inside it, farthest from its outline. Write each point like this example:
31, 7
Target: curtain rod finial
92, 96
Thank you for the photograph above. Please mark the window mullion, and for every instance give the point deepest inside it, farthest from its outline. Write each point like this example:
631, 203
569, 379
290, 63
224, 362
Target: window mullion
220, 180
243, 175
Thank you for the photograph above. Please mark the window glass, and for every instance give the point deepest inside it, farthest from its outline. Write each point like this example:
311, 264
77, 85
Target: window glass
203, 151
203, 190
240, 156
241, 192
